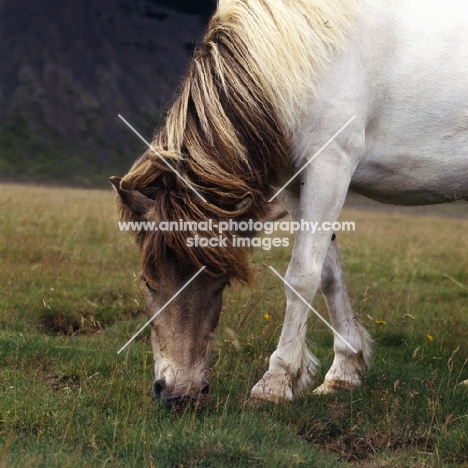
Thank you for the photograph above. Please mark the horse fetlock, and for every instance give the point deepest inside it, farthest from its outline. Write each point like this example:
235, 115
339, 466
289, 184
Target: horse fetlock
307, 372
286, 378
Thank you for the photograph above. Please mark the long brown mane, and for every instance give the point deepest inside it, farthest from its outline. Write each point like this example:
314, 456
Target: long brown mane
228, 133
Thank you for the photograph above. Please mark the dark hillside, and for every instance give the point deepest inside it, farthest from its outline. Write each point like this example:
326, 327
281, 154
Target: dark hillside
68, 68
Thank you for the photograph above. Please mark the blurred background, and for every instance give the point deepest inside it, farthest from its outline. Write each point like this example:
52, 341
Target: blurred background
68, 68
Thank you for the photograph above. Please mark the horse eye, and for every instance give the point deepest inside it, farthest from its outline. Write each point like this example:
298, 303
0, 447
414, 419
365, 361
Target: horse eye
149, 288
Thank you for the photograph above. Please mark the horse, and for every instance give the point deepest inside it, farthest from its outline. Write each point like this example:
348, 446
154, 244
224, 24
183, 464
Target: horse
268, 85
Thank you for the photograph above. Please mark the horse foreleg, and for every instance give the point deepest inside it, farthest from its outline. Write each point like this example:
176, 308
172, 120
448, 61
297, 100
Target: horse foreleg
352, 356
292, 366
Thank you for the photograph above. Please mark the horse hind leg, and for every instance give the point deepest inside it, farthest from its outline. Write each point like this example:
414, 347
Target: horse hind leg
353, 356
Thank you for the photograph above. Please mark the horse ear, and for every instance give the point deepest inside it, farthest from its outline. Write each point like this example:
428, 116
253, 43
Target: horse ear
133, 199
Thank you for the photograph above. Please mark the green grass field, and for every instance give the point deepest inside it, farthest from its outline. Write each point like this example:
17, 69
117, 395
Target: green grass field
70, 297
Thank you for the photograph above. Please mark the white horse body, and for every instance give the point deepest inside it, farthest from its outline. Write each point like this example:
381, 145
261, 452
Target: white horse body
404, 74
276, 79
416, 131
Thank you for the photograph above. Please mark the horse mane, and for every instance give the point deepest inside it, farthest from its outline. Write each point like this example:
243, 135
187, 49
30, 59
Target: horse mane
230, 128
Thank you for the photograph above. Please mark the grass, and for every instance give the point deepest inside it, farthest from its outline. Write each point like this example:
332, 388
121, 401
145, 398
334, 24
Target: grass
70, 297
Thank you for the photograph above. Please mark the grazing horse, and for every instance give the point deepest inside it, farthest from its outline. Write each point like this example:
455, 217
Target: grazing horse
269, 84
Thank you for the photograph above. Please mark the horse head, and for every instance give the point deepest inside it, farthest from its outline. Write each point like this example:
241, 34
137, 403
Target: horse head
189, 298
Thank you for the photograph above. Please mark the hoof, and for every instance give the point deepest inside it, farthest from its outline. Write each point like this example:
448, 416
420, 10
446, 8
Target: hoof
333, 386
272, 388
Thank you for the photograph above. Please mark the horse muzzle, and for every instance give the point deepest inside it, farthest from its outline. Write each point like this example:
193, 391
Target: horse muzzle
181, 399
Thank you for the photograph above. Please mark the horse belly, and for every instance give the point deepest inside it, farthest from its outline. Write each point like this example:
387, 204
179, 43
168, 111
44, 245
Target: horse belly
416, 137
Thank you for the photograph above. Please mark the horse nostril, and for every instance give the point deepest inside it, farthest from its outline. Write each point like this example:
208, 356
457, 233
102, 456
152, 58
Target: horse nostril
206, 389
180, 401
158, 387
